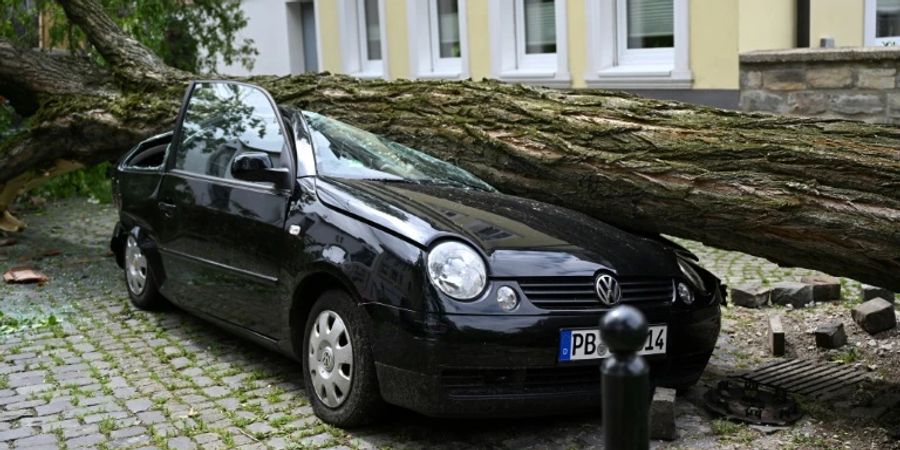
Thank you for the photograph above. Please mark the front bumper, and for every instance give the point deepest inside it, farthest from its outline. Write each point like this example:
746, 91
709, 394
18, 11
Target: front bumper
504, 366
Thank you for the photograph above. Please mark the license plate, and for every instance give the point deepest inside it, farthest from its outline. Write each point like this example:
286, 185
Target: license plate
585, 343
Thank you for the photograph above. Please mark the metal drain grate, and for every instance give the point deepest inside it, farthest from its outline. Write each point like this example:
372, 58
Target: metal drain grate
807, 377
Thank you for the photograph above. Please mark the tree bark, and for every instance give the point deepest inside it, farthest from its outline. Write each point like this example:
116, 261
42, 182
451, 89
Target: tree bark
822, 194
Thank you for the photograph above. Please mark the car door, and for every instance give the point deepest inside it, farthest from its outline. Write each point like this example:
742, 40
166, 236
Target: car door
225, 238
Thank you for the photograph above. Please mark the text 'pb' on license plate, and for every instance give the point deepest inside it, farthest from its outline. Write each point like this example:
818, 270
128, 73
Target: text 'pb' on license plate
585, 343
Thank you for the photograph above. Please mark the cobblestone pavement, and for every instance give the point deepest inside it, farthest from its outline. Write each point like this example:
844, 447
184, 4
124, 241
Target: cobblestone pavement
82, 368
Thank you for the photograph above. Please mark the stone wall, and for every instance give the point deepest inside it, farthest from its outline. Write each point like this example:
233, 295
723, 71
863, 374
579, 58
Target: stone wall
860, 83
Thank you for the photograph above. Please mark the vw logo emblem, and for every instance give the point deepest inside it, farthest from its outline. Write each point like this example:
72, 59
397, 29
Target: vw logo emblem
608, 290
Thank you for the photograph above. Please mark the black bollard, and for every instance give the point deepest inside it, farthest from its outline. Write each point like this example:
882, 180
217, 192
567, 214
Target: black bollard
626, 420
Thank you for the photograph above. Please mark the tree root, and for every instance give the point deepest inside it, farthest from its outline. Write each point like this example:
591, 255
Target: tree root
10, 223
25, 182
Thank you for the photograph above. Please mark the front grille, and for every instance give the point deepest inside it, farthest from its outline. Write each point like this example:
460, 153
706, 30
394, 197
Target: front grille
562, 293
485, 382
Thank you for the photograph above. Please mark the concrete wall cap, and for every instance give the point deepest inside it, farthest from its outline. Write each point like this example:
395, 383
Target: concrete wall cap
814, 55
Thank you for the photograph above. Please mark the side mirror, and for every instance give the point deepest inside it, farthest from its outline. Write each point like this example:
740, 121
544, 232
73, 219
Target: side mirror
257, 166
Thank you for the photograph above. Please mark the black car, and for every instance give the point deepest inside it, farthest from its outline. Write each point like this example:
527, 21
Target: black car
390, 275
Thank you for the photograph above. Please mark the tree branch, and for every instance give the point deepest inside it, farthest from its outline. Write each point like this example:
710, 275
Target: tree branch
26, 74
129, 59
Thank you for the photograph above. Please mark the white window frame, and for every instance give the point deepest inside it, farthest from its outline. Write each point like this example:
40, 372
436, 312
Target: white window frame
354, 55
612, 65
297, 39
508, 59
424, 54
871, 7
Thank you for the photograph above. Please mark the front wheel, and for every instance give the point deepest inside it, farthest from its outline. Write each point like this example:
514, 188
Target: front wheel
339, 371
140, 278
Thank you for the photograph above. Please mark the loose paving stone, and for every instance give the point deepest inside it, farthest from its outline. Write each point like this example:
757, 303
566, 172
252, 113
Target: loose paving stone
831, 335
751, 295
662, 415
797, 295
825, 288
776, 336
873, 292
875, 315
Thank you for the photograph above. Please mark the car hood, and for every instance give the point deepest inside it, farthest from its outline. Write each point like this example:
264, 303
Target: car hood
519, 237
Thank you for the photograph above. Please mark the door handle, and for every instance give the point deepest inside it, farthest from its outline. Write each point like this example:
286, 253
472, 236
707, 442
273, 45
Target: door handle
167, 209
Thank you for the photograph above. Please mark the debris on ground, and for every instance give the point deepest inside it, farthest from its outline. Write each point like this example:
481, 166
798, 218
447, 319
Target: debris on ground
662, 415
51, 252
776, 336
825, 287
24, 275
750, 295
873, 292
792, 293
6, 242
875, 315
831, 335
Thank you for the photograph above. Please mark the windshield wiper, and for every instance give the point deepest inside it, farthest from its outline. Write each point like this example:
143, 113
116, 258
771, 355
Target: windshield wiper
427, 182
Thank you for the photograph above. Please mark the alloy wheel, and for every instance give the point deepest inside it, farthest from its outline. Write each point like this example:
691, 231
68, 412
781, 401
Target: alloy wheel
330, 359
135, 266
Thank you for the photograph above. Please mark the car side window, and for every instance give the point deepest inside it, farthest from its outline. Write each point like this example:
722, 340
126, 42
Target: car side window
222, 121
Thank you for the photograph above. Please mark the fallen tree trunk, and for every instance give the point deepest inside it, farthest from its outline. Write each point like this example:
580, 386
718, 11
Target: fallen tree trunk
801, 192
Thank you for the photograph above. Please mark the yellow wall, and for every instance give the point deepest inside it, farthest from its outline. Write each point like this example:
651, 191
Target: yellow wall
329, 36
397, 33
714, 43
577, 25
838, 19
479, 39
767, 24
719, 31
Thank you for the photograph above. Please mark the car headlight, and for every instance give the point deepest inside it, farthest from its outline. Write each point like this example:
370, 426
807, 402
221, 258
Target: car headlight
691, 274
457, 270
685, 294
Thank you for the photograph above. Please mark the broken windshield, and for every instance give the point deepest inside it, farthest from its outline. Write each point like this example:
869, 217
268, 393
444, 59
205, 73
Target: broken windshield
344, 151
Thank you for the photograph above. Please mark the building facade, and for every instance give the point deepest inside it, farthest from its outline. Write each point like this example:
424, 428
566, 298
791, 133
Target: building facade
681, 49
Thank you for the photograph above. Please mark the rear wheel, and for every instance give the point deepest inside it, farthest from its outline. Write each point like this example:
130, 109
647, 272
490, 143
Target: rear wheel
339, 371
139, 277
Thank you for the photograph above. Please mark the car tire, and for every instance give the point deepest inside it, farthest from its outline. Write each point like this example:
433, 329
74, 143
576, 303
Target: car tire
325, 376
140, 280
